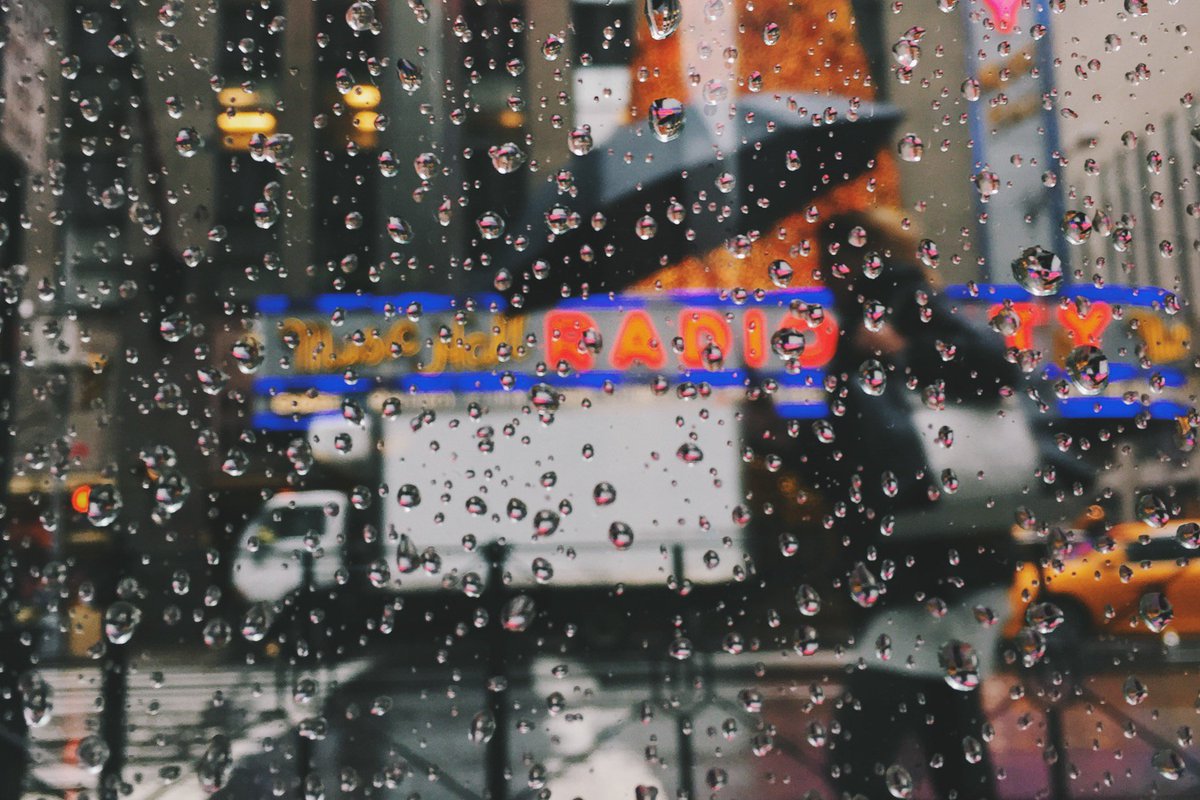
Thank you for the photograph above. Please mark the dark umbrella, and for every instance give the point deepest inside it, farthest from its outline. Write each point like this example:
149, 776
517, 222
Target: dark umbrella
779, 153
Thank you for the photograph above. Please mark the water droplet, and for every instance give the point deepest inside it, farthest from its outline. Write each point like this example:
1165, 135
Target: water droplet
248, 354
1169, 764
1039, 271
37, 699
960, 663
864, 586
781, 273
1188, 535
482, 729
518, 613
907, 53
256, 622
1076, 227
604, 494
788, 343
104, 505
93, 753
409, 74
1152, 510
1087, 367
490, 225
1044, 617
621, 535
1155, 611
506, 158
911, 148
121, 620
872, 377
666, 118
360, 16
808, 601
579, 140
1134, 691
663, 17
188, 142
899, 782
552, 47
217, 633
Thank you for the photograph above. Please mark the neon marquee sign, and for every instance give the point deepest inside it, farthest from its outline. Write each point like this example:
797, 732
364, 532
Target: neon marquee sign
479, 347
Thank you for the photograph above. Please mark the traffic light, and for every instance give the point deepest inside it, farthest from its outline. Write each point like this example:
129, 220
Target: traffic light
81, 496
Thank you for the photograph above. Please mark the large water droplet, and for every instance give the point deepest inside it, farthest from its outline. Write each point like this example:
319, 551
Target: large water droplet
872, 377
1076, 227
621, 535
103, 505
1087, 367
864, 586
663, 17
666, 118
482, 729
911, 148
92, 753
518, 613
960, 665
256, 622
507, 158
360, 16
1039, 271
248, 354
1152, 510
409, 75
1169, 764
1155, 611
37, 699
788, 343
120, 621
899, 782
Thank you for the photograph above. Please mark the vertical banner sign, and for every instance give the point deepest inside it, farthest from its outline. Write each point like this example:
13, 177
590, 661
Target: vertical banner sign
1013, 129
26, 56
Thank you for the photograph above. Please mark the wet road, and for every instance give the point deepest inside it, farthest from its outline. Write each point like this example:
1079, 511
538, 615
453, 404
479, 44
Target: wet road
752, 725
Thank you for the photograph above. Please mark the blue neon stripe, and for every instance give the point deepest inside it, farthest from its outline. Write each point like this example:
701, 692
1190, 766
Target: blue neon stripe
491, 381
270, 421
1120, 372
1070, 408
998, 293
817, 410
1117, 408
430, 302
272, 303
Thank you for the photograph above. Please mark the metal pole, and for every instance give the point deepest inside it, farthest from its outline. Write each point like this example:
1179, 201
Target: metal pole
13, 653
495, 684
114, 690
304, 602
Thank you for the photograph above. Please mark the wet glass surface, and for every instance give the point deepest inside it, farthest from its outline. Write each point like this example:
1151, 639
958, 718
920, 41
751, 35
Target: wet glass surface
511, 399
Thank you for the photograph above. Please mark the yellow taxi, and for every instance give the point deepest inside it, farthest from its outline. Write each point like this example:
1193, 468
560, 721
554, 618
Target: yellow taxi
1134, 579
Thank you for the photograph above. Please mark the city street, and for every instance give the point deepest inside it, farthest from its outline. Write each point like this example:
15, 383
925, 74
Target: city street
756, 725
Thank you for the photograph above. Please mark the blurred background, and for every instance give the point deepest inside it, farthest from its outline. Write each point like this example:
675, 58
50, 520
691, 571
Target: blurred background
380, 382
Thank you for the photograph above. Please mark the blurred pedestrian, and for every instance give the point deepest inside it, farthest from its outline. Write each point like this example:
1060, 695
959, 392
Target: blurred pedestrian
928, 584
